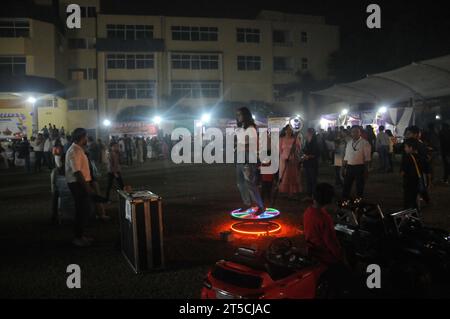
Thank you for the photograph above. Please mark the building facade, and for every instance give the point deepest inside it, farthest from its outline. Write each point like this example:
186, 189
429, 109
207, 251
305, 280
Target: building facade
116, 62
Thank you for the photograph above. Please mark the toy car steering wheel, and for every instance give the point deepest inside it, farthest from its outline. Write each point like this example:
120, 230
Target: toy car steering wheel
279, 250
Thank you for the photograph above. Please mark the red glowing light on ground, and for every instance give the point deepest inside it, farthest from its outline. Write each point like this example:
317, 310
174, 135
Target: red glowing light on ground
287, 230
257, 229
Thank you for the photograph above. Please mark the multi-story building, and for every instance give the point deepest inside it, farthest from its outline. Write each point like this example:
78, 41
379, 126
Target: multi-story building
114, 62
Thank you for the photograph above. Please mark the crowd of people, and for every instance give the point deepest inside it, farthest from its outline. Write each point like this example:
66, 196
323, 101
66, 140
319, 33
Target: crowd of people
351, 151
45, 149
75, 163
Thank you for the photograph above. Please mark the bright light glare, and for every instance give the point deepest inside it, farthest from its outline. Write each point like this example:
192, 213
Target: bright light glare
344, 112
382, 109
31, 100
323, 122
254, 117
199, 124
438, 117
106, 122
157, 119
206, 118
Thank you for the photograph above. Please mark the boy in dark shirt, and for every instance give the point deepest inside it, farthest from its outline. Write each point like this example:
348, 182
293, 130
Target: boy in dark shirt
416, 174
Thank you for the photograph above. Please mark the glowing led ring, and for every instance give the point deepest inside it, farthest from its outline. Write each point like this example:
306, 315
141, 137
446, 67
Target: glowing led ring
256, 228
270, 213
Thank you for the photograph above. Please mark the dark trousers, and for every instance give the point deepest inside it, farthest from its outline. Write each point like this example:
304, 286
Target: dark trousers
354, 173
38, 161
446, 165
383, 152
48, 157
391, 161
82, 208
410, 193
111, 179
311, 174
337, 176
55, 210
129, 157
27, 163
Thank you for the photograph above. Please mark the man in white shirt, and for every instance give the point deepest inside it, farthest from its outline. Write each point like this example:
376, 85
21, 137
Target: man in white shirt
356, 163
382, 143
39, 152
48, 146
78, 177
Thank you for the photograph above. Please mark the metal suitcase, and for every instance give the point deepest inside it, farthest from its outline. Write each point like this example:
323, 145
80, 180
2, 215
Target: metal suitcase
141, 230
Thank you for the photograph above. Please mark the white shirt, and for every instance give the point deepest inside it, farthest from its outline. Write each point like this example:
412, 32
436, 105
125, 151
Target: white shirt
339, 154
357, 152
39, 147
77, 161
48, 145
382, 139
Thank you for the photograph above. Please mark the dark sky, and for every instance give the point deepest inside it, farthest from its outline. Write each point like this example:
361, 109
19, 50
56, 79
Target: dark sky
411, 30
336, 11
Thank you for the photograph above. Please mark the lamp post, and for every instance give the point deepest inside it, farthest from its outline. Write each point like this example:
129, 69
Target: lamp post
106, 126
343, 114
35, 122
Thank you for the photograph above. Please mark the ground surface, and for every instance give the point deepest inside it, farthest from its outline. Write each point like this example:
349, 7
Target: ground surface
197, 199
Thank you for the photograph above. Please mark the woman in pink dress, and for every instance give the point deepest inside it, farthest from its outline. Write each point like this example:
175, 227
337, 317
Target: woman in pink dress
288, 173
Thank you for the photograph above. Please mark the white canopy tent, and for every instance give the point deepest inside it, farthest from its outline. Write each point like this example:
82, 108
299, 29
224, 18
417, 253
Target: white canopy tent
420, 80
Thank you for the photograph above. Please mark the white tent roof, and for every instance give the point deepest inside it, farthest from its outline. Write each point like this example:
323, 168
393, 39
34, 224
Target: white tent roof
426, 79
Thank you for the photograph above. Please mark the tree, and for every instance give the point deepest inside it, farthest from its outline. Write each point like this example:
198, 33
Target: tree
305, 84
136, 113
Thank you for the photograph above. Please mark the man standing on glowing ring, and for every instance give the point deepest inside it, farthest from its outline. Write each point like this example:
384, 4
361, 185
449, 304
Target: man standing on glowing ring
246, 171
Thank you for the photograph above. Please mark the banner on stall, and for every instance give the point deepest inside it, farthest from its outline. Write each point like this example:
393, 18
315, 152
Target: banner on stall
12, 125
134, 128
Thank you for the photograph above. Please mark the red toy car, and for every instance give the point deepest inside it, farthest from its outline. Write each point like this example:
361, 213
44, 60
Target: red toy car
278, 273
